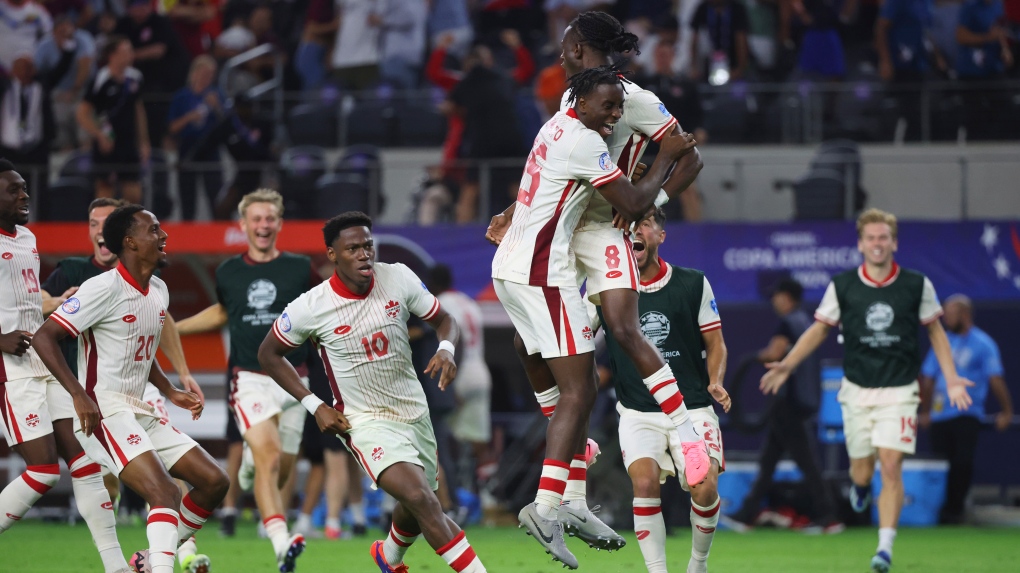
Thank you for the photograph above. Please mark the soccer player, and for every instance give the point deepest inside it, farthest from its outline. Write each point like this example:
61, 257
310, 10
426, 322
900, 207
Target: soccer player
252, 290
534, 279
878, 307
37, 412
358, 320
118, 318
601, 250
679, 315
67, 278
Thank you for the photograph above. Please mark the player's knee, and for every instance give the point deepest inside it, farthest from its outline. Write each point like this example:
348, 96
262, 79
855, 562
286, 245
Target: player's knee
627, 333
421, 501
645, 486
218, 483
519, 346
580, 396
166, 494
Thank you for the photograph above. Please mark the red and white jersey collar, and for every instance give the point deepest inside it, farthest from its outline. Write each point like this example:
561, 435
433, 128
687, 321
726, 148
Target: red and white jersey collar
131, 280
862, 272
341, 289
660, 279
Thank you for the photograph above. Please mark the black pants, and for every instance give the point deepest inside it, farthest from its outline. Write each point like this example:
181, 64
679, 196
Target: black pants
956, 439
788, 432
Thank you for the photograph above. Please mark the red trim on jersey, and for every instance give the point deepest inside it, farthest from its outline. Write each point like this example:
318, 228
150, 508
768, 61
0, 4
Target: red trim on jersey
625, 155
358, 456
706, 512
631, 263
9, 417
825, 320
642, 142
65, 325
341, 289
539, 274
432, 312
11, 235
893, 273
663, 269
607, 179
339, 406
571, 347
279, 336
92, 366
131, 280
116, 448
571, 113
453, 542
663, 130
244, 419
552, 302
646, 511
711, 326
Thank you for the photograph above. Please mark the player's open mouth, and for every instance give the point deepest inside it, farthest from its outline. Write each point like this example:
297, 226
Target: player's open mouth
638, 246
365, 271
264, 234
608, 128
102, 246
23, 210
161, 247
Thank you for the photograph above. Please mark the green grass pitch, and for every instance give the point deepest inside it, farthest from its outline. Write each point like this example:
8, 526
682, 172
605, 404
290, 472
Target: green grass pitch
40, 547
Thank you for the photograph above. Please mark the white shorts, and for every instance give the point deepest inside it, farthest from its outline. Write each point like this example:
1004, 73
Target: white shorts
31, 405
879, 418
605, 256
256, 398
124, 436
378, 444
471, 420
154, 398
653, 435
550, 320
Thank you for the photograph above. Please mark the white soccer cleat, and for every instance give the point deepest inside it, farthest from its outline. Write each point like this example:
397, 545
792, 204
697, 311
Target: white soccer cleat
582, 523
246, 473
288, 558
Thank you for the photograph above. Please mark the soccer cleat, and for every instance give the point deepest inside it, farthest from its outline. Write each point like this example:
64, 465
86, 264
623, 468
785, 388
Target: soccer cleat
881, 562
697, 566
294, 550
379, 557
139, 562
197, 563
549, 533
696, 462
736, 523
333, 533
246, 473
857, 502
583, 524
359, 530
591, 451
228, 525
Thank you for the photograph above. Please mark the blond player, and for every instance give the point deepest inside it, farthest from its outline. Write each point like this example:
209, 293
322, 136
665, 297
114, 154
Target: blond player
118, 317
358, 320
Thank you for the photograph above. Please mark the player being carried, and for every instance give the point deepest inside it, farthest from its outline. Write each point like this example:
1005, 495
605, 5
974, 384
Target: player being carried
604, 258
679, 315
534, 278
358, 320
37, 413
118, 317
878, 307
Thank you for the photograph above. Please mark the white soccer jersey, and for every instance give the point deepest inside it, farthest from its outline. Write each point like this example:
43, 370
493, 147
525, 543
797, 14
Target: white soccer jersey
118, 326
567, 163
363, 341
468, 315
20, 301
644, 117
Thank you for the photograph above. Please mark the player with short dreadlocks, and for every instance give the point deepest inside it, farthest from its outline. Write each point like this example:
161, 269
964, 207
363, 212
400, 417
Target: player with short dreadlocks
537, 285
604, 254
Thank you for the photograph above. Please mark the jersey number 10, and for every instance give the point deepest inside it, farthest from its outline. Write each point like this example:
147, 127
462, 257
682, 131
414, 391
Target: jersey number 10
378, 347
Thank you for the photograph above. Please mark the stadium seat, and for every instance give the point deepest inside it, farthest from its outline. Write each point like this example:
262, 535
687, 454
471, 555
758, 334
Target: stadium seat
77, 164
726, 117
67, 199
313, 124
300, 168
420, 124
340, 192
373, 122
819, 195
363, 161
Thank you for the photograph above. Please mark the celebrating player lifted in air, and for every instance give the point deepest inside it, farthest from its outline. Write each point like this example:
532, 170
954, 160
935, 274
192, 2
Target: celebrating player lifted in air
118, 317
679, 315
358, 320
534, 278
878, 307
604, 259
37, 413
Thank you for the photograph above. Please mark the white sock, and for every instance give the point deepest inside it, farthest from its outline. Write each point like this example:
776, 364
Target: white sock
357, 510
886, 536
703, 523
193, 518
651, 532
186, 549
161, 530
551, 487
667, 394
21, 494
460, 557
276, 529
333, 522
577, 486
96, 509
547, 400
396, 545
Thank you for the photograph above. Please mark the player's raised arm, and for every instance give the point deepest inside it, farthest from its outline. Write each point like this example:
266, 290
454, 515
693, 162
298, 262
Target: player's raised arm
633, 200
212, 318
46, 345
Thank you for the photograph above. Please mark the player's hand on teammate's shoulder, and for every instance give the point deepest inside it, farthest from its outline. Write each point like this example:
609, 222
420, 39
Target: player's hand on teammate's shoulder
957, 391
774, 379
88, 412
330, 420
720, 395
677, 145
16, 342
497, 228
68, 294
188, 401
443, 364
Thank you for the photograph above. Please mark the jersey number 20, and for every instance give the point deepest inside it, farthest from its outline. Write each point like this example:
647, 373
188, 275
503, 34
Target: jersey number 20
144, 351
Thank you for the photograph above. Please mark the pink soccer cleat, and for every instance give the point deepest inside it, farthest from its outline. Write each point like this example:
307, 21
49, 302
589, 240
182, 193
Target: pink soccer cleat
139, 562
376, 552
591, 451
696, 462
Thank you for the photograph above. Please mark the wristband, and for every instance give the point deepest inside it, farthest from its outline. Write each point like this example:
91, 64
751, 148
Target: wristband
447, 346
661, 199
311, 403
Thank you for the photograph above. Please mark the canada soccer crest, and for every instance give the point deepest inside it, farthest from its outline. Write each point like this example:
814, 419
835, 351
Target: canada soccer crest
162, 318
32, 420
378, 453
1004, 254
392, 309
134, 439
257, 407
587, 333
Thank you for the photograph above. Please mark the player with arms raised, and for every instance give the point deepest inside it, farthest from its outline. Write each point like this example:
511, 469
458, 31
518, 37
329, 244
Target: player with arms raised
358, 320
118, 317
534, 278
37, 412
878, 307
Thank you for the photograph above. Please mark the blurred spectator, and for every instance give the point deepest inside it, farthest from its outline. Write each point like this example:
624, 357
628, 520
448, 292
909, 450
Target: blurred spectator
549, 88
646, 13
234, 40
190, 19
764, 33
356, 53
194, 113
983, 51
664, 31
113, 116
104, 28
247, 138
403, 42
449, 19
319, 32
77, 10
719, 41
23, 23
821, 48
26, 122
67, 57
900, 39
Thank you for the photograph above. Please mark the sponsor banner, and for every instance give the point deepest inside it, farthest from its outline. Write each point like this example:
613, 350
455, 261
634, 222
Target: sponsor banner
742, 261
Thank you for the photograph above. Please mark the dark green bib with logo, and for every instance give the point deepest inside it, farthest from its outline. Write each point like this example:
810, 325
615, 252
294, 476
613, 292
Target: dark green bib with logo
254, 295
880, 327
669, 318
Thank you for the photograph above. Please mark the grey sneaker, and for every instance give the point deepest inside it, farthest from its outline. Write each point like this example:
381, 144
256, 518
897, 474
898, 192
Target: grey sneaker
549, 533
583, 524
